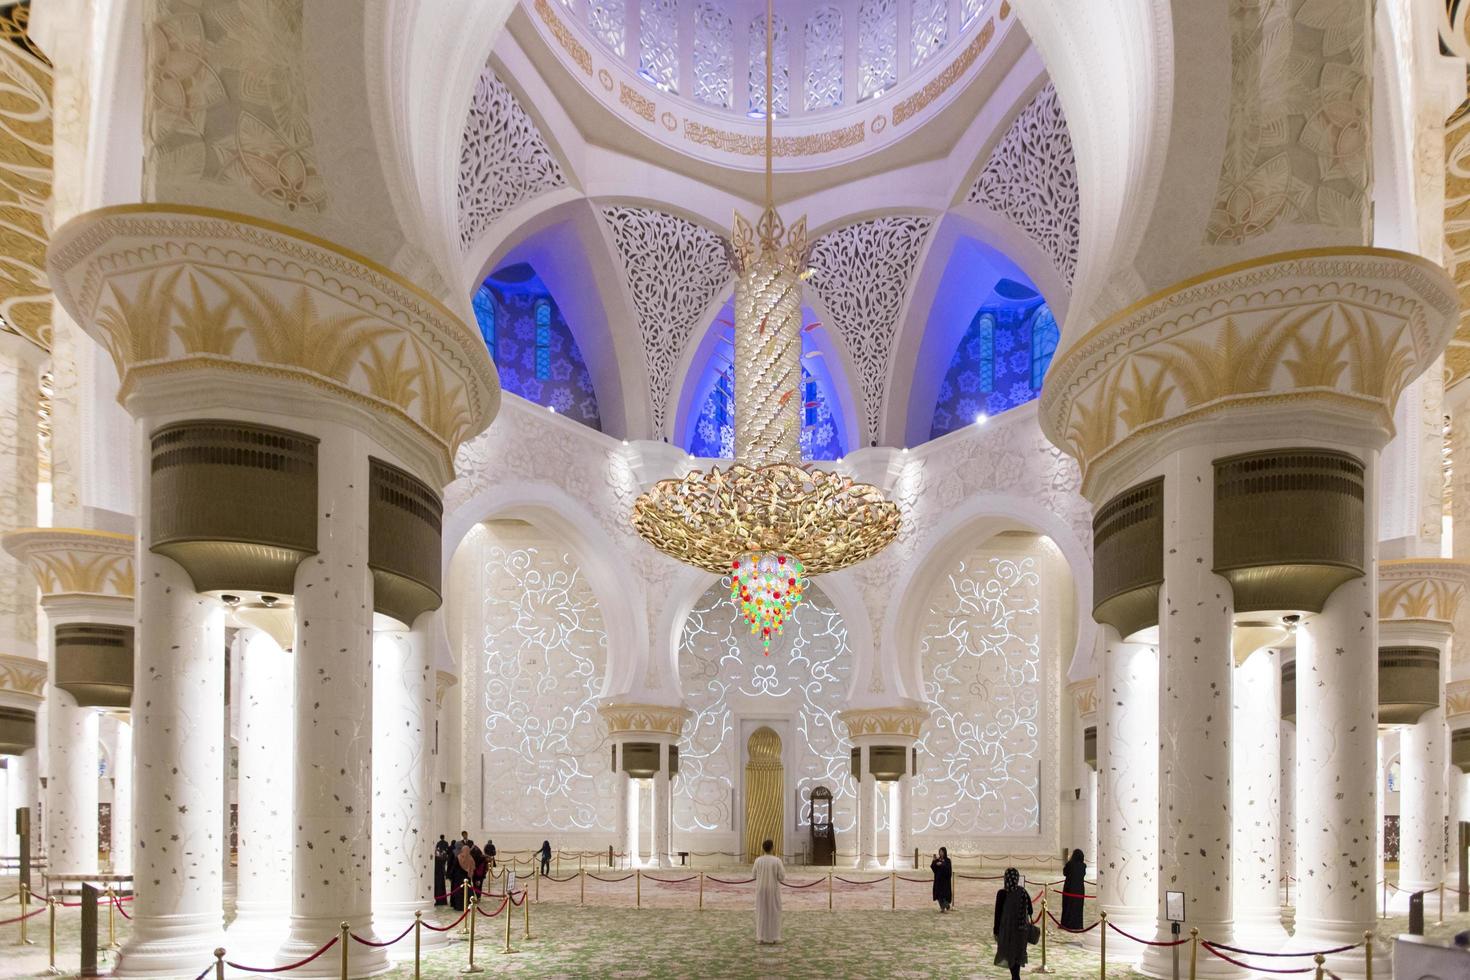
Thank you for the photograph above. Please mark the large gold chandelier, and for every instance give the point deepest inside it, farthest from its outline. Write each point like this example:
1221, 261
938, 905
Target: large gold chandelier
767, 521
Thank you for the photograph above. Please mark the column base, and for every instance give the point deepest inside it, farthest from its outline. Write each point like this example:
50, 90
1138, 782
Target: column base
307, 935
868, 862
170, 946
1158, 961
664, 862
1261, 931
255, 935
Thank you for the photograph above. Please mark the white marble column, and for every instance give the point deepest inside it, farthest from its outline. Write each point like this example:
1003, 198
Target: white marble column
867, 858
1128, 789
1336, 769
265, 701
403, 720
1196, 667
332, 870
902, 810
627, 829
71, 785
24, 788
178, 770
1423, 755
662, 807
1288, 816
1256, 801
122, 797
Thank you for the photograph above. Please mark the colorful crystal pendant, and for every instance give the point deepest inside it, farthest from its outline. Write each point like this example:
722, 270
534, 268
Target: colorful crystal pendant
767, 587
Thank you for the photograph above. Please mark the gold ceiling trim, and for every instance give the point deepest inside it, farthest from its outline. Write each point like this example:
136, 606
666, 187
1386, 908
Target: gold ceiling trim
939, 84
26, 169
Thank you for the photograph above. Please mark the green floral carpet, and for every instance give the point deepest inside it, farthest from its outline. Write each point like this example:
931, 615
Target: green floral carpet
672, 937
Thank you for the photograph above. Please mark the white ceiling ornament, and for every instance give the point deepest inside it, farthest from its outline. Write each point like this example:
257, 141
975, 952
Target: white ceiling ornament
1031, 178
674, 270
862, 273
502, 159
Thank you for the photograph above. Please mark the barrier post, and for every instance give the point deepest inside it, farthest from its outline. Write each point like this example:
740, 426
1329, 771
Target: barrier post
508, 907
1385, 897
219, 963
1368, 955
916, 859
25, 901
536, 877
582, 881
1319, 958
638, 885
1102, 959
1193, 951
474, 913
829, 891
111, 924
1441, 904
342, 940
1042, 968
701, 891
51, 917
892, 891
418, 942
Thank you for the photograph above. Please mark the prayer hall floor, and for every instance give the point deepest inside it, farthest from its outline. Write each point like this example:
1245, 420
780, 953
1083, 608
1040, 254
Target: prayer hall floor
670, 937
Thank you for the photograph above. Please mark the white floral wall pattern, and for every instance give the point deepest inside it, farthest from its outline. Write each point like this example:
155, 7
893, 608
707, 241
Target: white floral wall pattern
862, 273
714, 55
1031, 178
544, 656
722, 671
502, 161
674, 270
980, 650
824, 45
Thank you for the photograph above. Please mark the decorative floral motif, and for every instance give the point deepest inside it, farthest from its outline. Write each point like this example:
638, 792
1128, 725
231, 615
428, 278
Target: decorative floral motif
714, 55
862, 273
1031, 178
25, 184
503, 159
226, 101
780, 66
1297, 144
1421, 588
658, 43
824, 46
674, 270
877, 47
721, 672
73, 561
929, 21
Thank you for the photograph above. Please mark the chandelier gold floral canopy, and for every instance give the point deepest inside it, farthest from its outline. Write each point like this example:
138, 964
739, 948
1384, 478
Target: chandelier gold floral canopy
767, 521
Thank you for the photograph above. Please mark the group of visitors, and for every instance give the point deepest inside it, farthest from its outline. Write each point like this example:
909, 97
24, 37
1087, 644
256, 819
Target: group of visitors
1013, 930
457, 862
460, 861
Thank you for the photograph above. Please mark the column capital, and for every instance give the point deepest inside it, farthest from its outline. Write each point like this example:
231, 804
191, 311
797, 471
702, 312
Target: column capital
197, 306
1421, 589
1457, 704
892, 724
1324, 339
443, 681
627, 719
80, 572
22, 682
1084, 698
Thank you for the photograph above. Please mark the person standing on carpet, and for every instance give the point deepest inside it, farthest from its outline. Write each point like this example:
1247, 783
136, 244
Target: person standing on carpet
769, 874
943, 879
1074, 886
1012, 923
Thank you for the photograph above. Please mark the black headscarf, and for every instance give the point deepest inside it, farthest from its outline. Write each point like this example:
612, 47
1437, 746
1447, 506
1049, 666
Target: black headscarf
1012, 878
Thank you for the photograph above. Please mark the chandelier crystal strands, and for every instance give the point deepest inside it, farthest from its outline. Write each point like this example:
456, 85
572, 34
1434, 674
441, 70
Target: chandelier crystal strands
767, 521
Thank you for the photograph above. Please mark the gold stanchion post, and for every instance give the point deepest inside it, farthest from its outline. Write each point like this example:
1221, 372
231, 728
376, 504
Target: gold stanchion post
701, 891
51, 918
638, 885
25, 901
582, 882
1368, 955
892, 891
219, 963
418, 942
111, 924
526, 905
475, 914
342, 941
1320, 960
465, 927
1385, 897
1102, 959
508, 907
1193, 951
536, 878
1042, 968
1441, 904
829, 891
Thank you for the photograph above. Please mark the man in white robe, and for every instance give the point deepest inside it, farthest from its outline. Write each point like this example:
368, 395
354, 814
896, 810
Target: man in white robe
769, 873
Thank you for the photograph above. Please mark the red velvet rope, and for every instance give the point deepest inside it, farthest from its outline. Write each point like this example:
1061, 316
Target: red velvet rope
28, 915
121, 911
1074, 895
559, 880
377, 945
980, 877
741, 881
611, 881
807, 885
289, 966
669, 881
1256, 952
1075, 932
498, 910
1255, 969
917, 881
207, 970
1128, 935
511, 898
450, 926
849, 881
